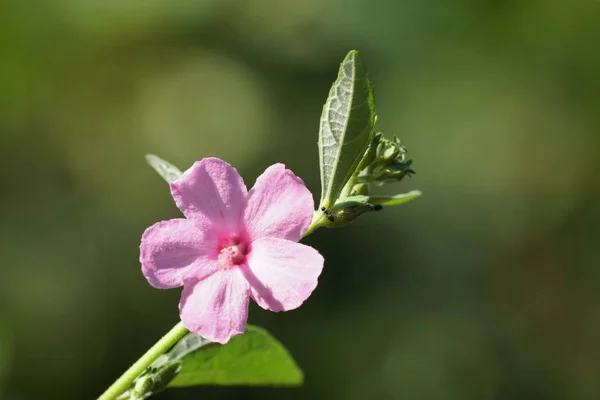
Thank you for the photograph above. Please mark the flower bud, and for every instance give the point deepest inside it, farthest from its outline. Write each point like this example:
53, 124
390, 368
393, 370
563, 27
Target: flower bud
361, 189
393, 172
346, 211
387, 151
155, 380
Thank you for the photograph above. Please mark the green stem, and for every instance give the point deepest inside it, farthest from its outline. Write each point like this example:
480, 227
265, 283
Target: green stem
348, 187
164, 344
317, 222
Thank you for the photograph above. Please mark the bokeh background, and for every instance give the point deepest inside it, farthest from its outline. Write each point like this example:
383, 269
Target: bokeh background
487, 287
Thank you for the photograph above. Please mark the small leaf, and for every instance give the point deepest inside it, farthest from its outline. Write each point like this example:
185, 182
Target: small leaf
394, 200
254, 358
165, 169
346, 127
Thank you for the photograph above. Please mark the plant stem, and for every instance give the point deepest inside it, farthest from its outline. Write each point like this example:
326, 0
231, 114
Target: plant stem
164, 344
316, 223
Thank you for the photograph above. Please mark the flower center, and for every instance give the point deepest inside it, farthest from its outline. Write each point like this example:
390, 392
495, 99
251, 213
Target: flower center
232, 252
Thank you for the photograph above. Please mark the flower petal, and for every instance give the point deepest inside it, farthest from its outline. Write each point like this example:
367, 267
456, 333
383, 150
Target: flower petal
212, 194
216, 307
282, 274
279, 205
174, 251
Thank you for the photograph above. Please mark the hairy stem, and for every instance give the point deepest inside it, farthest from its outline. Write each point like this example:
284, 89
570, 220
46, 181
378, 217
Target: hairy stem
126, 380
317, 222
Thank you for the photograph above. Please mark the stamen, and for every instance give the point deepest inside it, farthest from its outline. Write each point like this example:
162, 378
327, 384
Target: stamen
233, 252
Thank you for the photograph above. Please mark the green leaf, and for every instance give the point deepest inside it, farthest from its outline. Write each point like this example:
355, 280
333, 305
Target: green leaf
254, 358
346, 127
165, 169
395, 200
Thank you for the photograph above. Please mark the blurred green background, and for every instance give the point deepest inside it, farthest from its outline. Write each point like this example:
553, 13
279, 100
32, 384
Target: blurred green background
487, 287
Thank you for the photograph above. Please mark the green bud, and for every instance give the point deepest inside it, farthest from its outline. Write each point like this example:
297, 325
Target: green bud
393, 173
154, 380
362, 189
346, 211
167, 373
387, 151
384, 162
142, 387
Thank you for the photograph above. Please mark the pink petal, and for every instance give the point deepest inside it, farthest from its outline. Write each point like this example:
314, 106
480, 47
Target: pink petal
282, 274
279, 205
216, 307
212, 194
174, 251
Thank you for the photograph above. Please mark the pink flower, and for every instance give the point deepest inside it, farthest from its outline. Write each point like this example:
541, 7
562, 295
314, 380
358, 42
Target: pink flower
234, 244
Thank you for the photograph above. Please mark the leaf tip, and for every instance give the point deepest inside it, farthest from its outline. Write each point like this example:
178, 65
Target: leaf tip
165, 169
150, 157
352, 56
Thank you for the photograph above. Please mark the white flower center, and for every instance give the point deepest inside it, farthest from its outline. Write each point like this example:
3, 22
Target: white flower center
233, 252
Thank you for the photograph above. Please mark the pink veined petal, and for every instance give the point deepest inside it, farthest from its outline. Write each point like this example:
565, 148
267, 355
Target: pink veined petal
282, 274
279, 205
174, 251
216, 307
212, 194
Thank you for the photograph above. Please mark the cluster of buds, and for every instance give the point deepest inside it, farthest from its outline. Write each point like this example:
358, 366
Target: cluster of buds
384, 162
